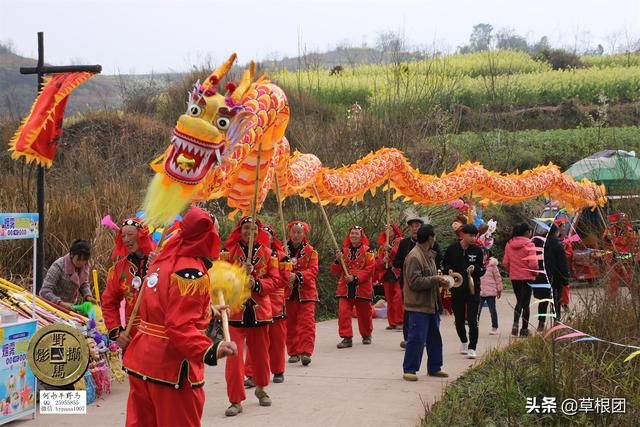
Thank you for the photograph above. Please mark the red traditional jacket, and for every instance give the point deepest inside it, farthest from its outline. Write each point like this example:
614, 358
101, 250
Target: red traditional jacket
119, 287
361, 264
304, 263
257, 310
387, 274
277, 296
174, 313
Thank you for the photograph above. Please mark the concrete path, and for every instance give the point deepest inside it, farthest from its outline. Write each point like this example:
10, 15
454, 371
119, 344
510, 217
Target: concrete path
359, 386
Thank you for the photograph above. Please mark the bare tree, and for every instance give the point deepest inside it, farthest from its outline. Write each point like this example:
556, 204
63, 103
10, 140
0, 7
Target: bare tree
631, 44
612, 40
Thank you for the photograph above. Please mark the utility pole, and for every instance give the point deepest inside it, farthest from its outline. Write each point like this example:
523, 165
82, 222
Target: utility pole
41, 70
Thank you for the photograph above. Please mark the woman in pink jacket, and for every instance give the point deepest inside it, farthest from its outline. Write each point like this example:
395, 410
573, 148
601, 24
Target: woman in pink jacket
521, 272
490, 289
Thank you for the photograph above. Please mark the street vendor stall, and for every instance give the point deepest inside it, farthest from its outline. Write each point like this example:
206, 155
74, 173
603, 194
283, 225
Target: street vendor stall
17, 382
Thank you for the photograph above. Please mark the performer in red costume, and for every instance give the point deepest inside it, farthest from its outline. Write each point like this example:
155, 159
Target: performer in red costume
301, 294
386, 274
133, 246
165, 360
277, 330
356, 287
251, 322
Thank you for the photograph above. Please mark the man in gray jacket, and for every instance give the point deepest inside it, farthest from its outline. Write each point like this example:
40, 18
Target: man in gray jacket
422, 306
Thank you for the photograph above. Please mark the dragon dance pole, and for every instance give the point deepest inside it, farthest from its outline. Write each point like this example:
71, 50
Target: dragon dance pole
254, 206
134, 312
96, 286
388, 206
281, 213
328, 224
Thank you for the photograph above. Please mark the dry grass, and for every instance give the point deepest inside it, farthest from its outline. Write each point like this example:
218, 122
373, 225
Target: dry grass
495, 392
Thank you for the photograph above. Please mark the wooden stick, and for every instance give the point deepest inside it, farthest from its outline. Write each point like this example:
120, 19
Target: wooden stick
388, 206
606, 230
96, 287
328, 224
254, 207
134, 312
225, 318
281, 213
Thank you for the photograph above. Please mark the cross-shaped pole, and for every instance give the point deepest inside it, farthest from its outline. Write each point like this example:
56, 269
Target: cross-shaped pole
41, 70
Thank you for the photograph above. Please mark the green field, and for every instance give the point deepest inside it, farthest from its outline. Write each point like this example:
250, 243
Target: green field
500, 78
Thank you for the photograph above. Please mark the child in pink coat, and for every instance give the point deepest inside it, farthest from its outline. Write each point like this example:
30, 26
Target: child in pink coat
490, 289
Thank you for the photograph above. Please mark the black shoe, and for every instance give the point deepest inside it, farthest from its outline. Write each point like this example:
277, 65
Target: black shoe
248, 383
366, 340
540, 327
390, 327
345, 343
306, 359
294, 358
278, 378
403, 344
524, 332
514, 330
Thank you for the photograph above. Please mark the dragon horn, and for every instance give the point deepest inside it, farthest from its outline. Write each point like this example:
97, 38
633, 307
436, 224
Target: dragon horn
219, 73
245, 82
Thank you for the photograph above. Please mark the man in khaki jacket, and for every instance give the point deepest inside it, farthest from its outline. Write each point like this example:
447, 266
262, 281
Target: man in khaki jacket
422, 305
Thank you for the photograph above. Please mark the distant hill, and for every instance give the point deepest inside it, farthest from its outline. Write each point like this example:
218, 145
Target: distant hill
18, 91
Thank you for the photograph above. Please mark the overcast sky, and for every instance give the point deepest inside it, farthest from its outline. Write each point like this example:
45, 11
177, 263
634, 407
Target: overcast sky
139, 36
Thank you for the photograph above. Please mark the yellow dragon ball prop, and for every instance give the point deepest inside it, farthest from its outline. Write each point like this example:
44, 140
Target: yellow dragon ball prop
232, 280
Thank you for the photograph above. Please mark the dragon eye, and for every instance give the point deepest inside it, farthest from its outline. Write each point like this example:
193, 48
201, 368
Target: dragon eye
223, 123
194, 110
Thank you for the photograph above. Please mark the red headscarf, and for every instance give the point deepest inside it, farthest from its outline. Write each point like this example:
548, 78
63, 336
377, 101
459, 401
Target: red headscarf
197, 237
347, 241
276, 243
236, 236
382, 237
144, 238
305, 227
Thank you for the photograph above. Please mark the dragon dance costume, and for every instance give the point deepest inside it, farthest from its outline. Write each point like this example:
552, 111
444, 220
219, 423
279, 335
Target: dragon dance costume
124, 278
389, 276
278, 329
165, 360
302, 296
360, 262
251, 322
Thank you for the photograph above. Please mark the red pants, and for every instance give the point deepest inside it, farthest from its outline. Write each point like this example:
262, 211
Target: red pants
152, 404
301, 327
363, 308
395, 310
564, 298
445, 296
258, 347
277, 343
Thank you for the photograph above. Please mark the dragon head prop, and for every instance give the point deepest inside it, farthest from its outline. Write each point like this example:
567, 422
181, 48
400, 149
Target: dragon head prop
199, 143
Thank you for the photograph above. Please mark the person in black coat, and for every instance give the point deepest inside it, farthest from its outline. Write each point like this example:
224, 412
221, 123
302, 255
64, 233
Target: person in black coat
466, 258
556, 266
541, 279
